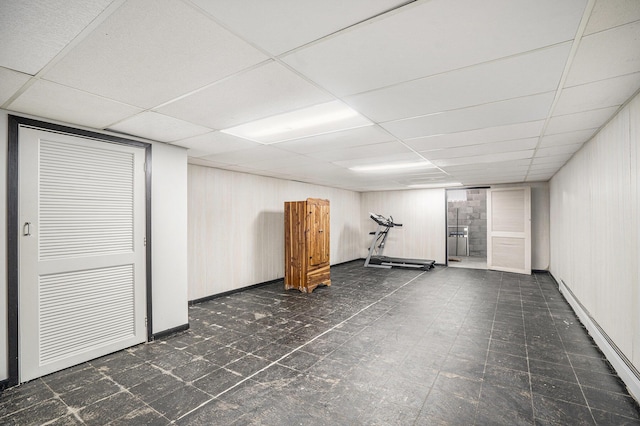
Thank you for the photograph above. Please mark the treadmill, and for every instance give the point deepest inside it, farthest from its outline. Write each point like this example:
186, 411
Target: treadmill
375, 259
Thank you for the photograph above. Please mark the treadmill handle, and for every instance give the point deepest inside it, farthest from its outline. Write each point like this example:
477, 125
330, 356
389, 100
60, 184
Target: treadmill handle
393, 223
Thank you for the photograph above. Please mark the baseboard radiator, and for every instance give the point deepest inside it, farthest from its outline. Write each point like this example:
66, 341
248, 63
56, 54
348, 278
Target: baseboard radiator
618, 360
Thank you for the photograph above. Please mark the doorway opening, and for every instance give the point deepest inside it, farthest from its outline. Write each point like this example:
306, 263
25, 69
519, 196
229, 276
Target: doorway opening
467, 228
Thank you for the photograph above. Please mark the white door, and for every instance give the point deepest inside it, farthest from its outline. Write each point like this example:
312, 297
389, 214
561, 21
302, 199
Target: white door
509, 229
81, 243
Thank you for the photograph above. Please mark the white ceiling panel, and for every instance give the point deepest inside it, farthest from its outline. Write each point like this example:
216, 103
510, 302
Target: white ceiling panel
483, 149
281, 25
10, 82
554, 159
214, 143
152, 125
46, 99
363, 151
599, 94
433, 37
552, 151
249, 155
521, 110
33, 32
612, 13
453, 169
148, 54
367, 135
491, 158
473, 137
513, 77
606, 54
263, 91
380, 158
568, 138
580, 121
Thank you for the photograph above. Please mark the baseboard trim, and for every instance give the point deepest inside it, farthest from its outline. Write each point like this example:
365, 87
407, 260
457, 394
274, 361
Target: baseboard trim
620, 363
170, 331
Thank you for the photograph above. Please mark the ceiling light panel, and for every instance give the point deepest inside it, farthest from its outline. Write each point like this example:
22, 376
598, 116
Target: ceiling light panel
606, 54
580, 121
46, 99
612, 13
344, 139
279, 26
136, 54
315, 120
266, 90
509, 78
530, 108
610, 92
10, 82
433, 37
214, 143
158, 127
474, 137
41, 28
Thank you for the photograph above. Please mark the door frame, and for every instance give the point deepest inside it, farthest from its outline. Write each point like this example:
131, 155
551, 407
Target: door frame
14, 124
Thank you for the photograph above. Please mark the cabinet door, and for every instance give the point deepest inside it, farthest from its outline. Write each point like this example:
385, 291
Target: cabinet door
319, 225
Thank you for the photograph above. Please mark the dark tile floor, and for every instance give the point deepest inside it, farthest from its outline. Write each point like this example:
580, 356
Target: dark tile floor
378, 347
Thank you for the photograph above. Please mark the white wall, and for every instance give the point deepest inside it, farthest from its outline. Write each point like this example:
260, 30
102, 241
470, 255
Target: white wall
422, 213
236, 227
169, 238
594, 228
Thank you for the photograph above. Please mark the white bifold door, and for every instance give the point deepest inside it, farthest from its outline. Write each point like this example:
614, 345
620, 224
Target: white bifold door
509, 229
82, 289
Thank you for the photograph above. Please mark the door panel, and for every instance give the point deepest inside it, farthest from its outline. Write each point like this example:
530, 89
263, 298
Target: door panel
81, 250
509, 229
318, 232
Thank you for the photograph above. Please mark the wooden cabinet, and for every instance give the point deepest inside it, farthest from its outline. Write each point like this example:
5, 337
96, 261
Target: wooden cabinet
306, 240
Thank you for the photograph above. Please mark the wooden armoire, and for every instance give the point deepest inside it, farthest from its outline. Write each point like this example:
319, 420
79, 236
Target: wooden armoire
306, 242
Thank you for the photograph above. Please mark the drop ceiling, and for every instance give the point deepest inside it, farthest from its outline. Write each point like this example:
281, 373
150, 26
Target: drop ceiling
476, 93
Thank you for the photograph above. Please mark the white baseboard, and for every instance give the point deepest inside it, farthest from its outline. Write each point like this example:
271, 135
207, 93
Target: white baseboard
625, 369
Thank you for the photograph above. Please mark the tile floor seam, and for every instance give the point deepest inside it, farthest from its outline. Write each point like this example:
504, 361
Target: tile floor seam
299, 347
526, 352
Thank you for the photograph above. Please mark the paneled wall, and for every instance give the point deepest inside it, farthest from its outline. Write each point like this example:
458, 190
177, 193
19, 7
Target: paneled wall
236, 227
594, 229
423, 216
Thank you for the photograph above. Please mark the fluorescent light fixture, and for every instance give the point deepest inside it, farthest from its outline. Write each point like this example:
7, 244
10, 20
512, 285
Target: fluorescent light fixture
318, 119
435, 185
390, 166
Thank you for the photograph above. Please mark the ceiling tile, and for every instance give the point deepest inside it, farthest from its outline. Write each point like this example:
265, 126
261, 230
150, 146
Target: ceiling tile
530, 108
453, 169
263, 91
281, 25
482, 149
337, 140
381, 158
553, 159
579, 136
362, 151
249, 155
136, 55
33, 32
214, 143
580, 121
490, 158
432, 37
473, 137
10, 82
552, 151
606, 54
158, 127
599, 94
612, 13
513, 77
46, 99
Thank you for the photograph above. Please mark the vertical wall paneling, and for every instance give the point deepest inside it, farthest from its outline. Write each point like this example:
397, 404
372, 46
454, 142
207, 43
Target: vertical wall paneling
594, 230
423, 217
236, 227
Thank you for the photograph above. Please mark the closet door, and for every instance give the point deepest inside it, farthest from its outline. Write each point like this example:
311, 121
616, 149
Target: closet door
81, 250
318, 235
509, 229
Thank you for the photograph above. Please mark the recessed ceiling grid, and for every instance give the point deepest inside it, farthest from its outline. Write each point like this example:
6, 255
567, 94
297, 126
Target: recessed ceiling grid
499, 92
